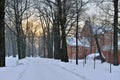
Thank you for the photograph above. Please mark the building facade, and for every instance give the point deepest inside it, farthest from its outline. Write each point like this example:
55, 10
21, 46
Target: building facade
87, 42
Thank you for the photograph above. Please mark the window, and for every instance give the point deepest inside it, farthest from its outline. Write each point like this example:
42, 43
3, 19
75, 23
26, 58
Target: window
73, 49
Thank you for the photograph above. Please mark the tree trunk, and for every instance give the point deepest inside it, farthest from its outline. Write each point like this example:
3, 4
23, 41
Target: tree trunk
62, 16
56, 31
13, 42
32, 43
64, 55
44, 46
98, 47
21, 43
49, 46
56, 42
115, 32
49, 42
77, 17
2, 34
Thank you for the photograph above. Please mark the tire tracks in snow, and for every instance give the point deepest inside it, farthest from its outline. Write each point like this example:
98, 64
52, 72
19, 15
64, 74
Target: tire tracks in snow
76, 74
21, 74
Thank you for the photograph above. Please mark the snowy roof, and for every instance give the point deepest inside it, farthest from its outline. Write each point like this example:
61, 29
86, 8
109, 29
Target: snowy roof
81, 42
110, 47
97, 28
101, 29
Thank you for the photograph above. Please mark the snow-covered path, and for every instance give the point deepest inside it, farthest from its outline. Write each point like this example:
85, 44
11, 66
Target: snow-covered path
40, 70
50, 69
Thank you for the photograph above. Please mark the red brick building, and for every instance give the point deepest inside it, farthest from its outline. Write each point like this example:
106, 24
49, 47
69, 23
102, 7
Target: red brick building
87, 42
107, 48
84, 43
83, 47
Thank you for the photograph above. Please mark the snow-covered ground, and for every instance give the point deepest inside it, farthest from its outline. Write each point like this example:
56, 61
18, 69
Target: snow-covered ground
49, 69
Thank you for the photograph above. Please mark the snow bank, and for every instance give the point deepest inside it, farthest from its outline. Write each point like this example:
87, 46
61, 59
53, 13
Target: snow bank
50, 69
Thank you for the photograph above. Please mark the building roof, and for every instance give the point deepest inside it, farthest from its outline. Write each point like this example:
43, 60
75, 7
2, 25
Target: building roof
95, 29
110, 47
81, 42
100, 29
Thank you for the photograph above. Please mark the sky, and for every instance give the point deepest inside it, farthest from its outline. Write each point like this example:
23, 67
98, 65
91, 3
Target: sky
92, 9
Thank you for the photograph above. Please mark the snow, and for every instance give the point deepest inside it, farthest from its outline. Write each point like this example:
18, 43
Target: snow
50, 69
110, 47
100, 29
81, 42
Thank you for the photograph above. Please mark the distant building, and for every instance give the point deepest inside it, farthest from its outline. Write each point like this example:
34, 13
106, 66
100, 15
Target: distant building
87, 43
83, 47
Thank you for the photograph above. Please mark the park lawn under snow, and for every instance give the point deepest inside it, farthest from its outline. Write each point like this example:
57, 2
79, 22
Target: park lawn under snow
50, 69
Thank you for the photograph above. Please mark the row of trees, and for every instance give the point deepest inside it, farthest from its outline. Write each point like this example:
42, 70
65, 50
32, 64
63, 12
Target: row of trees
57, 18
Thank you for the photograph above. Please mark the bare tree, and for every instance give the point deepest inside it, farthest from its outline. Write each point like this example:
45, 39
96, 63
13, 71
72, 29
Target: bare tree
10, 35
48, 19
15, 10
2, 33
61, 16
115, 2
77, 32
79, 10
31, 36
